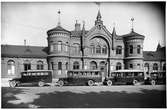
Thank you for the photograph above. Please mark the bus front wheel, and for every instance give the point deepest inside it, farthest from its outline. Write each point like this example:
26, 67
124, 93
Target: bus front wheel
109, 82
12, 83
152, 82
60, 83
135, 82
90, 83
41, 83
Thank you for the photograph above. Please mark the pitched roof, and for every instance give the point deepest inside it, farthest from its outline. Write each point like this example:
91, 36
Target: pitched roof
41, 52
77, 33
23, 51
155, 55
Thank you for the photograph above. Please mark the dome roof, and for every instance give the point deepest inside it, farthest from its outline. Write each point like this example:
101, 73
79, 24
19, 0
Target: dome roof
58, 28
132, 33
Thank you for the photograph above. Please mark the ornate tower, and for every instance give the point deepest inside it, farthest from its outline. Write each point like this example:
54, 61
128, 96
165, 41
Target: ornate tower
58, 55
133, 50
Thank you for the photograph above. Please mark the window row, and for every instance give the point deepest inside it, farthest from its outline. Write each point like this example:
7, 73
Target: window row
155, 66
131, 48
98, 49
93, 65
27, 66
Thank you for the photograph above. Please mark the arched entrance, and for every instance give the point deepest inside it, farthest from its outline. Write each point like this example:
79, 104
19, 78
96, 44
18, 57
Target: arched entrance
93, 65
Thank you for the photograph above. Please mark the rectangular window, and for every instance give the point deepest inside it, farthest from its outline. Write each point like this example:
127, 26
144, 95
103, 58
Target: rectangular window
131, 66
27, 67
138, 49
59, 46
51, 48
131, 49
59, 65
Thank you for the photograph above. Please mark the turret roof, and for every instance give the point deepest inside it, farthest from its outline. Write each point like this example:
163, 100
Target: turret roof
58, 28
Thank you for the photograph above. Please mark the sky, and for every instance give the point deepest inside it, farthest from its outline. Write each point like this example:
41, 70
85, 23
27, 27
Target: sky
31, 20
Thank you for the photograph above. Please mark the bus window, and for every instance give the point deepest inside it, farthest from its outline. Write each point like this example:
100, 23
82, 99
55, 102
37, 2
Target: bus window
38, 74
33, 74
96, 73
140, 74
46, 73
75, 74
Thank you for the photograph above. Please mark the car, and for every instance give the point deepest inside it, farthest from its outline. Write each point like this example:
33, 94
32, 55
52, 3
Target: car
81, 77
37, 77
124, 77
156, 77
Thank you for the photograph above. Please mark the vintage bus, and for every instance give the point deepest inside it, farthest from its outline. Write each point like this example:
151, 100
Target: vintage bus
37, 77
124, 77
81, 77
157, 77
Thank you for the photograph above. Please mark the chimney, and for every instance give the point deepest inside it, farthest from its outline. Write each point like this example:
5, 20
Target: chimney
77, 26
24, 42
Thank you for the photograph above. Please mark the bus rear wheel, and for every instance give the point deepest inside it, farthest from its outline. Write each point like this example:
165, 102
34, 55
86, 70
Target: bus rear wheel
60, 83
109, 83
90, 83
12, 83
152, 82
135, 82
41, 83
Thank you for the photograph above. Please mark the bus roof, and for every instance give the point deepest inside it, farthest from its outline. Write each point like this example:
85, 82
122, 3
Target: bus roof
128, 71
83, 70
35, 71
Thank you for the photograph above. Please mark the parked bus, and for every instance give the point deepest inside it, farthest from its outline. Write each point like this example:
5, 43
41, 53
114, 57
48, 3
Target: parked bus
124, 77
81, 77
158, 77
38, 77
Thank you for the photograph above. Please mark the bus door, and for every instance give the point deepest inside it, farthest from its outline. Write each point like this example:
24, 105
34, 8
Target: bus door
70, 77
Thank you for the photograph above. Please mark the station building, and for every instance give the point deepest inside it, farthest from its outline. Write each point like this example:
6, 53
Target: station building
96, 48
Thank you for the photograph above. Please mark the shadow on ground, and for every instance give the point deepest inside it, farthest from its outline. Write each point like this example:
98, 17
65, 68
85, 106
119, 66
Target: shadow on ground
107, 99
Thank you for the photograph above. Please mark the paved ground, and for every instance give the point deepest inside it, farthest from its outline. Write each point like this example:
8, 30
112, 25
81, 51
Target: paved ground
84, 97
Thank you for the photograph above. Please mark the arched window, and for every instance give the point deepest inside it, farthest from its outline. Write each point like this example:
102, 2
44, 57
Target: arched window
164, 66
118, 66
155, 66
92, 48
11, 67
119, 50
76, 48
76, 65
40, 65
66, 65
98, 49
131, 49
146, 65
93, 65
102, 65
59, 65
138, 49
59, 45
27, 65
104, 49
66, 47
54, 47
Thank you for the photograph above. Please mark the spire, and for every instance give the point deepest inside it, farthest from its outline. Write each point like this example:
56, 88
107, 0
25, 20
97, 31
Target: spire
59, 23
98, 19
98, 15
158, 46
82, 43
132, 19
114, 32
